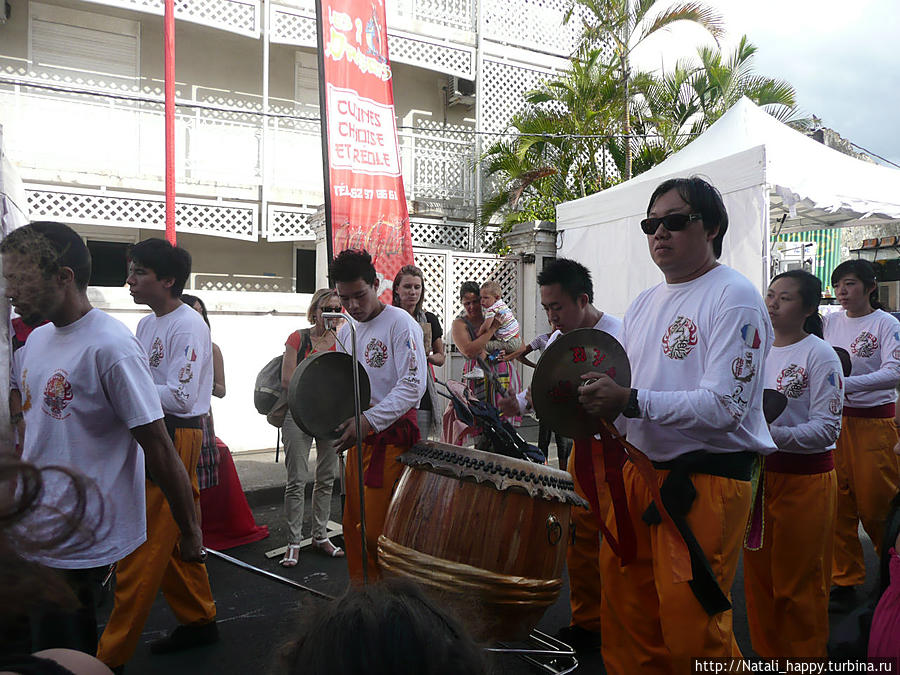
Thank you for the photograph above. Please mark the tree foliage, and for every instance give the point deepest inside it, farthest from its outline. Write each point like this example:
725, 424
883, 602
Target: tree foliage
597, 123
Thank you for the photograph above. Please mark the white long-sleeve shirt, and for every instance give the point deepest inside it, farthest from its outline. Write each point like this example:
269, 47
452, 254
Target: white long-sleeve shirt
873, 342
179, 349
390, 349
696, 351
809, 374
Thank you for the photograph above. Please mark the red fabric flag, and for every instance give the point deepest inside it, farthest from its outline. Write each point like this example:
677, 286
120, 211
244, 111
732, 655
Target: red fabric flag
365, 199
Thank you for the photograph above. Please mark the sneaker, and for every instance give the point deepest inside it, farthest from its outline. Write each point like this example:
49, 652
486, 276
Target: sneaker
475, 374
187, 637
580, 639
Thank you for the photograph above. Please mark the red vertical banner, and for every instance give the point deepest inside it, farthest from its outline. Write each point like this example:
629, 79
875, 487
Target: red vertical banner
364, 198
169, 61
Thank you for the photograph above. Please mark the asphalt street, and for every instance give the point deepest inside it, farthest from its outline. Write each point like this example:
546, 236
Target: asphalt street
258, 616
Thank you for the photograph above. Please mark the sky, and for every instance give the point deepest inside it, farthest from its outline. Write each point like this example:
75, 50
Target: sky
841, 56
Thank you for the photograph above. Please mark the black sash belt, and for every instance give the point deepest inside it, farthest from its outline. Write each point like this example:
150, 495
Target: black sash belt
678, 494
172, 423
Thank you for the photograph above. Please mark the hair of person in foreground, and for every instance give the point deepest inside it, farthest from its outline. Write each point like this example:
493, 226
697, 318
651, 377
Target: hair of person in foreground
386, 628
28, 526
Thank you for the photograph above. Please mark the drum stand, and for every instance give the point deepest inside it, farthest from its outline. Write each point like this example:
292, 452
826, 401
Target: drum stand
359, 455
543, 651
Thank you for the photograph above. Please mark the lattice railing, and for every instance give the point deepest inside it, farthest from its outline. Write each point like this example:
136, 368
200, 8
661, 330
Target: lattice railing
502, 90
223, 219
236, 16
241, 283
444, 272
458, 14
298, 27
289, 223
537, 24
431, 234
434, 268
443, 161
438, 56
481, 268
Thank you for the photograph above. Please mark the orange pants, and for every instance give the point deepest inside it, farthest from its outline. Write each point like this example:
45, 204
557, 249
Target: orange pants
155, 565
583, 561
650, 623
786, 582
868, 477
377, 502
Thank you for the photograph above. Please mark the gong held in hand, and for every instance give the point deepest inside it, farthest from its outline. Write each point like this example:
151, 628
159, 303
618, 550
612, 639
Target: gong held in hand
320, 396
554, 388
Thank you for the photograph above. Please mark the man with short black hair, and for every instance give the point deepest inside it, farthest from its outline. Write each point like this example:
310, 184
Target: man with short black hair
567, 296
179, 349
696, 345
390, 348
90, 405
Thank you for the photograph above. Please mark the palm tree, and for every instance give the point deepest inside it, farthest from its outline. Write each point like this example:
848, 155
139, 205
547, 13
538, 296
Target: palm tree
621, 25
559, 150
680, 105
723, 81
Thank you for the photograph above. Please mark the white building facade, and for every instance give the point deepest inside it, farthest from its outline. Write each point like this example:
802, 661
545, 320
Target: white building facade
81, 87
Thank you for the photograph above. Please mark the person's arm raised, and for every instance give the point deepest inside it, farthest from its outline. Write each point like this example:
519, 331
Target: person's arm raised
468, 347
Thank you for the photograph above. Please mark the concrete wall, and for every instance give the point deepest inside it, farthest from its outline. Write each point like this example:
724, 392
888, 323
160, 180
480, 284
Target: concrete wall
250, 328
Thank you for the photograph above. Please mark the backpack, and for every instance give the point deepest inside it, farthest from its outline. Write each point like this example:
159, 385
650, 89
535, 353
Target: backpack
268, 397
267, 389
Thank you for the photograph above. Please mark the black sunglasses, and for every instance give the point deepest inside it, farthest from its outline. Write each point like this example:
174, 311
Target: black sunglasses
330, 309
672, 222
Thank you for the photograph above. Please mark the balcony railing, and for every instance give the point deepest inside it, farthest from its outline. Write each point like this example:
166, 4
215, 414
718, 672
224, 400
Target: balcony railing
67, 137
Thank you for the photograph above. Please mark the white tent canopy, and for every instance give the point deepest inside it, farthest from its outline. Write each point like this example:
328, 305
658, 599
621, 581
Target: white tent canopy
764, 169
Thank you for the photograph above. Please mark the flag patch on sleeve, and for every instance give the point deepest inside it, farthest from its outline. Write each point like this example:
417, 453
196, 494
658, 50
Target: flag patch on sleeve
750, 336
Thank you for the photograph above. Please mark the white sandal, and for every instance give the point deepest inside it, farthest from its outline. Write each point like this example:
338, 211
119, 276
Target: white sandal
327, 547
291, 556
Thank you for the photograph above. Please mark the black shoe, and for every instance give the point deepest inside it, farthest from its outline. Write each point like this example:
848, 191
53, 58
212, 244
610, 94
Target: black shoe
580, 639
842, 599
187, 637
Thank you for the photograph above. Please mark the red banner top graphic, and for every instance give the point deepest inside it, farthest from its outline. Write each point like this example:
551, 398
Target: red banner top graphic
364, 179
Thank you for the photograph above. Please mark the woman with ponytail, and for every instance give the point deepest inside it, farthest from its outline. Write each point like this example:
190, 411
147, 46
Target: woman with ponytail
868, 471
786, 581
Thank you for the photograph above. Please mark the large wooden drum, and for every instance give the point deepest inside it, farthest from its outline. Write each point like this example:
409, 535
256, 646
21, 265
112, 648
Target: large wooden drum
486, 534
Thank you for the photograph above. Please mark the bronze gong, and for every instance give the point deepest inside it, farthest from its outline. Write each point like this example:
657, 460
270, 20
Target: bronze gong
320, 395
554, 388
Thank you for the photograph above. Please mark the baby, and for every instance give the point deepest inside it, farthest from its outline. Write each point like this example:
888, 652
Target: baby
496, 312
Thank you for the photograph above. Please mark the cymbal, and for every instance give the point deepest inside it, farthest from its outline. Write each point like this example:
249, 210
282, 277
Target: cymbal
320, 395
774, 403
846, 364
554, 388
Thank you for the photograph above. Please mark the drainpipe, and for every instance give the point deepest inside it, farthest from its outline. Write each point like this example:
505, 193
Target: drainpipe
479, 111
264, 149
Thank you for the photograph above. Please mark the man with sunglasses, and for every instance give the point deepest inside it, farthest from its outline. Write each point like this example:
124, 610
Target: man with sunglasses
696, 344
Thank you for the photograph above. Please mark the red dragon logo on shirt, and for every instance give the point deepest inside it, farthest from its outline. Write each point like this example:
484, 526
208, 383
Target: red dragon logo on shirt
792, 381
376, 353
156, 353
57, 394
864, 345
680, 338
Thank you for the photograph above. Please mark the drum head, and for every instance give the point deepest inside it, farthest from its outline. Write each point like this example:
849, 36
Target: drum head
321, 392
554, 388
